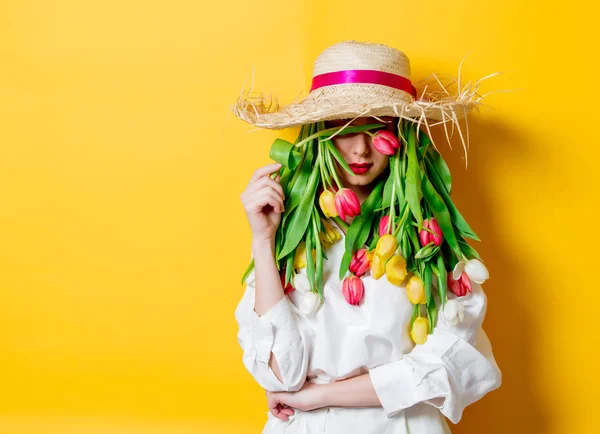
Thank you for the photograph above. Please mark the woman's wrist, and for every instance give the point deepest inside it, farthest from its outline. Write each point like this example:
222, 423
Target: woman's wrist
262, 245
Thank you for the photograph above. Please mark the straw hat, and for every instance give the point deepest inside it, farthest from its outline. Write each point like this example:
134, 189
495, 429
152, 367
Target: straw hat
360, 79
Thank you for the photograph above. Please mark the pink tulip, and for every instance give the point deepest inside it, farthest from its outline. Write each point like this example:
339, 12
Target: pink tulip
461, 286
426, 237
383, 225
353, 289
385, 142
360, 262
346, 203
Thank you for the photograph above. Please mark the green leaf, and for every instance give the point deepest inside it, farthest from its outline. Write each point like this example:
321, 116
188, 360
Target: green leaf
413, 179
467, 250
298, 222
319, 252
458, 220
440, 212
442, 276
431, 315
427, 283
310, 263
248, 271
441, 168
284, 152
427, 251
336, 154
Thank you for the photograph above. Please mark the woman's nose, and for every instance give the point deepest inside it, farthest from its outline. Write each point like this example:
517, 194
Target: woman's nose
361, 146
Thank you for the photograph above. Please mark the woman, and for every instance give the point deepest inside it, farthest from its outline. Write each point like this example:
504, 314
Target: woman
347, 355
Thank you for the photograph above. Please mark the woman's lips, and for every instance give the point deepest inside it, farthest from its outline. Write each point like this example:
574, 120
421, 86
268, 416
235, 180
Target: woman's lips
359, 169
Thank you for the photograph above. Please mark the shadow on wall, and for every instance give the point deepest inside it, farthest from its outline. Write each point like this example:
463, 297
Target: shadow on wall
516, 406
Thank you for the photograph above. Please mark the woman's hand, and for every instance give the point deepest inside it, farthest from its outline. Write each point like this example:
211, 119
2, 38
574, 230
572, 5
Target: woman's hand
282, 404
263, 202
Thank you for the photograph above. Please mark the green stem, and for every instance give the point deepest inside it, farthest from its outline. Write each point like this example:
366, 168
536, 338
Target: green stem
341, 222
347, 130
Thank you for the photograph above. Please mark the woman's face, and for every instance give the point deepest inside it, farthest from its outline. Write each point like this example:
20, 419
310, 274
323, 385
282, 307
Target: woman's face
357, 149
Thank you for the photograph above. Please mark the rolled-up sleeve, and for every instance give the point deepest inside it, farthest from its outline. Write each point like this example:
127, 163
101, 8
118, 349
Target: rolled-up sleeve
274, 332
454, 368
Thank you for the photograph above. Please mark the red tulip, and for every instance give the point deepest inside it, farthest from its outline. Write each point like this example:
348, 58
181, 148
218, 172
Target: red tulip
353, 289
461, 286
426, 237
385, 142
384, 225
346, 203
289, 288
360, 262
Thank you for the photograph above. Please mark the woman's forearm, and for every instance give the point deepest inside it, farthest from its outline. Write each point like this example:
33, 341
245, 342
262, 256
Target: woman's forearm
354, 392
269, 290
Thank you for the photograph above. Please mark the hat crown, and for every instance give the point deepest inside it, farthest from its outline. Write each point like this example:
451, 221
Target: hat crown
349, 55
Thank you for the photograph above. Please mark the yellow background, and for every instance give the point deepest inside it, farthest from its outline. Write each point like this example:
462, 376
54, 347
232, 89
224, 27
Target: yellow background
123, 239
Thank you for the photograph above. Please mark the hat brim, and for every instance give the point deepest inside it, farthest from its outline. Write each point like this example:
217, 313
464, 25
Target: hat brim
346, 101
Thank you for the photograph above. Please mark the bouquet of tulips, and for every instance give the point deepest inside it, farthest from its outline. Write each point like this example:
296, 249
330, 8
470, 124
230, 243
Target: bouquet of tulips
407, 228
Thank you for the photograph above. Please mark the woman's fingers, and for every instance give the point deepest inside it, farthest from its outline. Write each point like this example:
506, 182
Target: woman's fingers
263, 198
265, 170
264, 183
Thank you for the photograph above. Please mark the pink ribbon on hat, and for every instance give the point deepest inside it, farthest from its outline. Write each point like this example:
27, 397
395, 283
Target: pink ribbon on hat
366, 76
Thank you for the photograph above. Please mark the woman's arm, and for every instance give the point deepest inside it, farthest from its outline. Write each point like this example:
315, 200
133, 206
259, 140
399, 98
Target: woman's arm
354, 392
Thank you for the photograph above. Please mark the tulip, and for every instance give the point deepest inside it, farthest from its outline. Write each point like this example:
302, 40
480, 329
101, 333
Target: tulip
330, 236
395, 270
300, 255
377, 266
454, 312
286, 288
353, 289
301, 282
386, 246
461, 286
310, 303
360, 262
426, 237
327, 203
420, 330
384, 225
474, 268
385, 142
415, 289
346, 203
476, 271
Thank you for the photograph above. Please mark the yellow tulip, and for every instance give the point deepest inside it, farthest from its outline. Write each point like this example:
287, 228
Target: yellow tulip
420, 330
386, 246
415, 289
377, 266
395, 270
327, 203
300, 256
330, 236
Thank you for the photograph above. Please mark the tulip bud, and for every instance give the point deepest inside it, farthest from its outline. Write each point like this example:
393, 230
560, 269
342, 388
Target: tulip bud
301, 282
476, 271
346, 203
300, 255
454, 312
360, 262
353, 289
310, 303
384, 225
330, 236
461, 286
377, 266
415, 289
286, 288
420, 330
426, 237
327, 203
385, 142
395, 270
386, 246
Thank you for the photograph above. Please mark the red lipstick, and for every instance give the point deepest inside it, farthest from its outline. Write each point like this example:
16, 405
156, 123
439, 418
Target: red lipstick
360, 168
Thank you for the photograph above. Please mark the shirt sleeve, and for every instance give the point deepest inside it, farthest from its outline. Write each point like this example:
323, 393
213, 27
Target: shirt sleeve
453, 368
275, 331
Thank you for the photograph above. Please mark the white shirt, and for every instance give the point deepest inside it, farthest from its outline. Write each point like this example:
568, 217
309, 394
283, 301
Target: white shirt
416, 384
